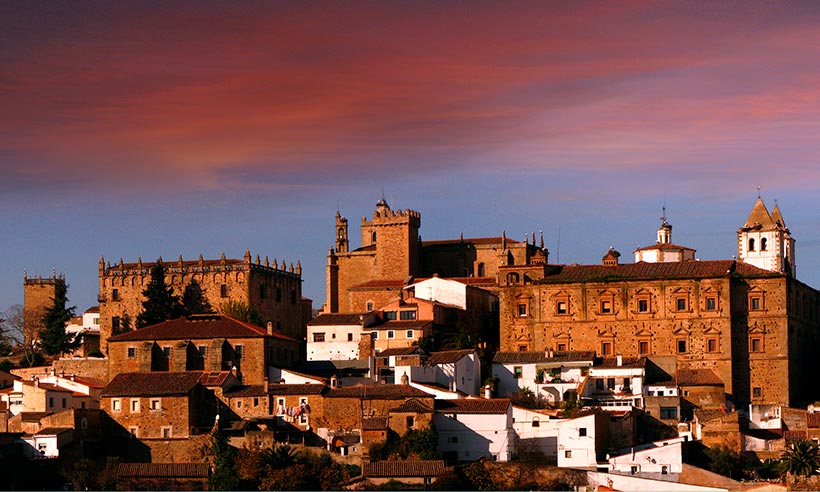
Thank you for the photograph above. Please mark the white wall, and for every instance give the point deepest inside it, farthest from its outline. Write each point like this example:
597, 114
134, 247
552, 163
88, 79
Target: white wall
472, 436
336, 345
576, 442
440, 290
543, 437
651, 458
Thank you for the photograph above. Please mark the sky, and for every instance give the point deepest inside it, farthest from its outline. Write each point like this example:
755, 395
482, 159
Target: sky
167, 128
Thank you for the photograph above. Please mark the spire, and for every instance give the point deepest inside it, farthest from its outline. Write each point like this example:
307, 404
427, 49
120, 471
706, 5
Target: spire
777, 217
541, 240
759, 217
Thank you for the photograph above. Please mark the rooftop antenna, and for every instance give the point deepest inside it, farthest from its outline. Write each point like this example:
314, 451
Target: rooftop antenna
758, 191
663, 215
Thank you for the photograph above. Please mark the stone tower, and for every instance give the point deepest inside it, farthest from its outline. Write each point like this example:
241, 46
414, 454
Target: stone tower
395, 234
765, 242
38, 294
342, 241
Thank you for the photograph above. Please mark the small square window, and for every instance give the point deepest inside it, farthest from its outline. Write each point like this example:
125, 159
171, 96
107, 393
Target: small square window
390, 315
643, 305
223, 290
318, 337
374, 335
680, 304
756, 344
561, 347
561, 307
757, 392
536, 422
391, 334
606, 307
681, 346
711, 345
135, 405
518, 371
155, 404
116, 405
711, 303
568, 453
350, 337
407, 315
522, 310
167, 432
582, 432
755, 304
132, 352
606, 348
643, 347
410, 334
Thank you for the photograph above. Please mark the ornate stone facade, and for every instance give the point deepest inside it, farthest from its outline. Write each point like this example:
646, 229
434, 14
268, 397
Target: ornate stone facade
274, 288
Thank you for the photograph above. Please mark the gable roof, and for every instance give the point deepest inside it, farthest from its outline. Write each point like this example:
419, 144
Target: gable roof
152, 384
411, 406
393, 351
198, 326
333, 319
296, 389
375, 423
473, 405
698, 377
532, 357
759, 216
653, 271
447, 357
164, 470
377, 392
386, 469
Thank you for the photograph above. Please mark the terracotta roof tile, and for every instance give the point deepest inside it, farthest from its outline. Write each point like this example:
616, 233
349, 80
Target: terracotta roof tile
377, 392
386, 469
698, 377
214, 378
795, 435
152, 384
51, 431
197, 326
390, 352
412, 406
332, 319
245, 391
447, 357
612, 362
164, 470
34, 416
473, 405
296, 389
380, 284
643, 270
541, 356
394, 324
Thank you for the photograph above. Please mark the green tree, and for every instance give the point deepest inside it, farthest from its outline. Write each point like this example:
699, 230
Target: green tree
160, 303
194, 301
724, 461
801, 458
224, 476
53, 338
243, 312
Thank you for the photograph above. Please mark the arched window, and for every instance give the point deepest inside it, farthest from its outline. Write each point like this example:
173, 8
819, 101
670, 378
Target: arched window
480, 270
763, 244
512, 278
374, 237
751, 244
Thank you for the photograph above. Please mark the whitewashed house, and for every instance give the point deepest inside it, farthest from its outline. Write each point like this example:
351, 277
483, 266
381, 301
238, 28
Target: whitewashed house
52, 393
536, 432
472, 428
615, 383
334, 336
454, 370
583, 441
662, 460
553, 376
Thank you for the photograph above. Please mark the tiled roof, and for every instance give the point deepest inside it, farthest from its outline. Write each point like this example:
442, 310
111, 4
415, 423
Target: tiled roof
704, 415
164, 470
542, 356
447, 357
390, 352
152, 384
472, 240
53, 431
698, 377
214, 378
812, 420
197, 326
375, 423
412, 406
93, 309
612, 362
34, 416
664, 246
473, 405
245, 391
377, 392
332, 319
296, 389
386, 469
656, 271
394, 324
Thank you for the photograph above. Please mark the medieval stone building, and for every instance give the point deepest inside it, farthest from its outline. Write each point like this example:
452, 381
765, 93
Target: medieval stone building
274, 288
38, 296
749, 320
392, 254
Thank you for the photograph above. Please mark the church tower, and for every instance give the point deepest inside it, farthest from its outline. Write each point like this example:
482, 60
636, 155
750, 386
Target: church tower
765, 242
342, 244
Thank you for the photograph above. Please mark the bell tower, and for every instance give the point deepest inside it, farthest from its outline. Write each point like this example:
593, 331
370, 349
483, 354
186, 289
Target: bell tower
342, 243
765, 242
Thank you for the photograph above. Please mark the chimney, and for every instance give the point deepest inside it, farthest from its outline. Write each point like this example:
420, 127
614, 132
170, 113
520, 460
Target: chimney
270, 327
620, 360
334, 381
550, 354
73, 376
488, 391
